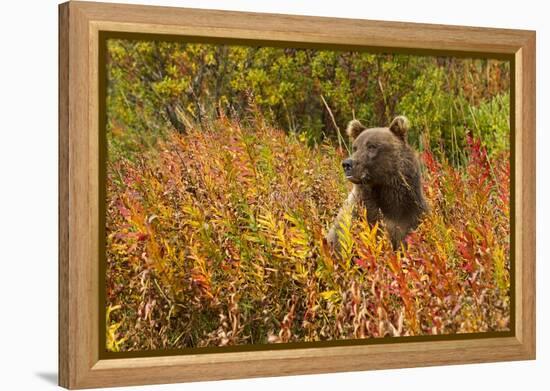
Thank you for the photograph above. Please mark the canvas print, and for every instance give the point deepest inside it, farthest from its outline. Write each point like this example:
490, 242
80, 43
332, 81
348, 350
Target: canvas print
259, 195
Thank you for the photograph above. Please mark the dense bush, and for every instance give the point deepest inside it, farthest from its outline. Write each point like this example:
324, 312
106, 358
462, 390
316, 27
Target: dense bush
156, 87
215, 237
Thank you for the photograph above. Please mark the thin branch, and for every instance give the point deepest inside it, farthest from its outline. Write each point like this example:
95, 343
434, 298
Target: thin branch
340, 138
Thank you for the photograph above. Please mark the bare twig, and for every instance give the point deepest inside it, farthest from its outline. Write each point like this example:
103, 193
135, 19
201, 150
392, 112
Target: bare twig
381, 87
161, 291
340, 138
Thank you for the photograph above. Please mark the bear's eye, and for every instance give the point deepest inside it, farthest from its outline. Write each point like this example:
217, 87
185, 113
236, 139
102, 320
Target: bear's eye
354, 148
372, 147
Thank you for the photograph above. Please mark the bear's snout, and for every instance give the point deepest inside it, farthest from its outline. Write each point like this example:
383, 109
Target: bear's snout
347, 165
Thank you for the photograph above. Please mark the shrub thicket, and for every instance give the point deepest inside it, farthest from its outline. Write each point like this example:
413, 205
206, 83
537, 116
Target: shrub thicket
216, 238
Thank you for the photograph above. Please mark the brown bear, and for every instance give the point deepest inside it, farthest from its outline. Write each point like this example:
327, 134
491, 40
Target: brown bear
385, 173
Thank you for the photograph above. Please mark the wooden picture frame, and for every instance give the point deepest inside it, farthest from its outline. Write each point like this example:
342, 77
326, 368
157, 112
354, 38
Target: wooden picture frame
80, 26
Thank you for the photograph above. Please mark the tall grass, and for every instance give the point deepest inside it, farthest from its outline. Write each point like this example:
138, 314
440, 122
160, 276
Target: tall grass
215, 238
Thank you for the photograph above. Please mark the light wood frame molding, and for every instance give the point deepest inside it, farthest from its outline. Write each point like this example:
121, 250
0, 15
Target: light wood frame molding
79, 26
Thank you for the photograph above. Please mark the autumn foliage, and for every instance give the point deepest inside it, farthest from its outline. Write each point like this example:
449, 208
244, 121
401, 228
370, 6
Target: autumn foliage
215, 238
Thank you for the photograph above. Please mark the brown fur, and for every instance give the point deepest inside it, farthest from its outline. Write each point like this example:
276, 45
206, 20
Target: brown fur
385, 173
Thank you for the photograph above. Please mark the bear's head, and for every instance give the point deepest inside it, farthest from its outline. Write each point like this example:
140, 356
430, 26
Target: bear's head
376, 152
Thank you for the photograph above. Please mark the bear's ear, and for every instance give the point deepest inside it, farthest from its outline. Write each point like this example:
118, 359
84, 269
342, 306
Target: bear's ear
354, 129
400, 126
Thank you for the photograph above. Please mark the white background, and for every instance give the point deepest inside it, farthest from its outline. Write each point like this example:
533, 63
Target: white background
28, 194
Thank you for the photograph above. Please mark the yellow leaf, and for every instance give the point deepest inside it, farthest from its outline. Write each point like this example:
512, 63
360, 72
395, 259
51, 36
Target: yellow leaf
329, 295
